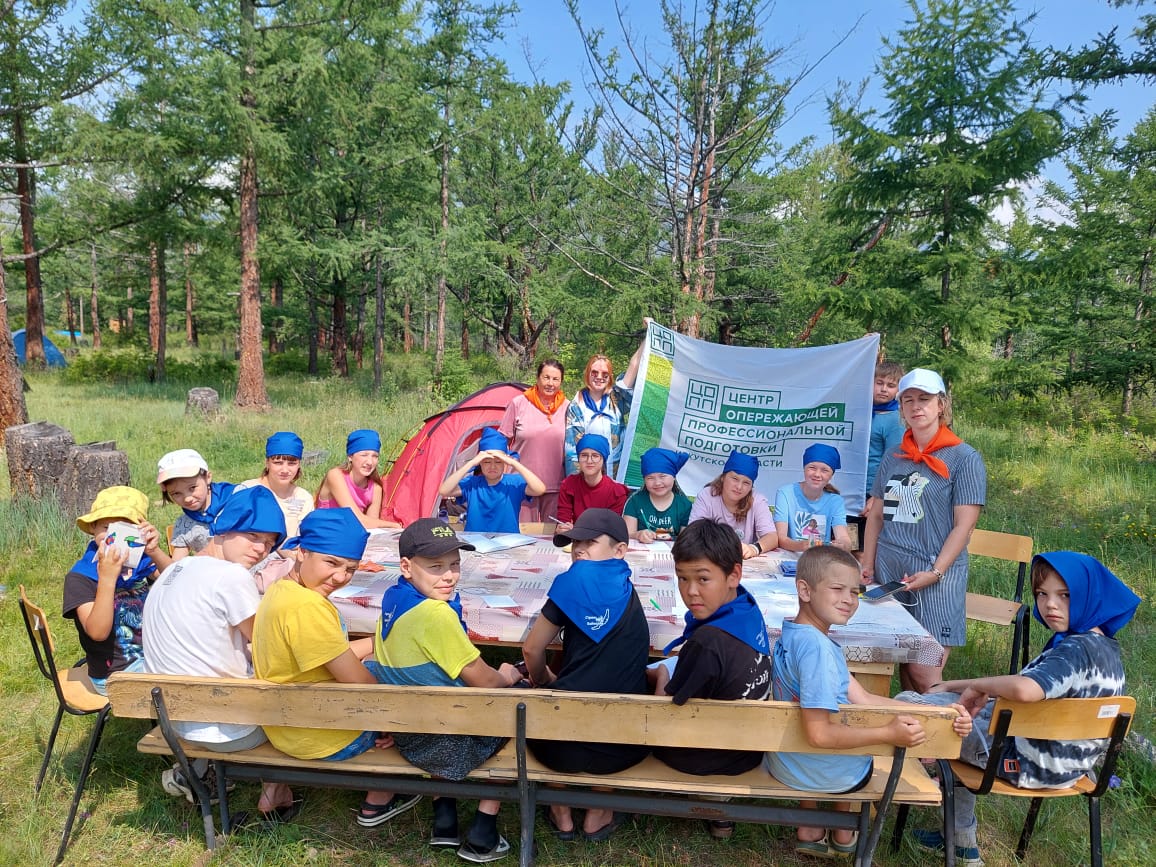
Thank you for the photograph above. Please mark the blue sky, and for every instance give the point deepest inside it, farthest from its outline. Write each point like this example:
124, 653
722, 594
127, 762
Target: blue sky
811, 28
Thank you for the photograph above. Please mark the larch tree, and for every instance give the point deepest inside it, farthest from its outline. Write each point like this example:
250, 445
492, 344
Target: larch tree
963, 124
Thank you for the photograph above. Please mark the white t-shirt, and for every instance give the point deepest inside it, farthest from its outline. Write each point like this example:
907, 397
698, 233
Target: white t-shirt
295, 507
190, 627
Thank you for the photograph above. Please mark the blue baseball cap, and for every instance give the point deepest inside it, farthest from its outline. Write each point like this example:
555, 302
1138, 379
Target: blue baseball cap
336, 532
250, 510
284, 443
363, 440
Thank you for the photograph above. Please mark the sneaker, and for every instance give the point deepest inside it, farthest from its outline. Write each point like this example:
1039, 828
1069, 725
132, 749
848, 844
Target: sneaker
173, 781
372, 815
471, 852
932, 841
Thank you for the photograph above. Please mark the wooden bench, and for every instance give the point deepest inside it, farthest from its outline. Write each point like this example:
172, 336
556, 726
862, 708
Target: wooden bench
513, 775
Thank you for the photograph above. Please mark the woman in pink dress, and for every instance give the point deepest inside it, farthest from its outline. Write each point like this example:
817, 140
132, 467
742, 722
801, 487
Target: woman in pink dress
535, 424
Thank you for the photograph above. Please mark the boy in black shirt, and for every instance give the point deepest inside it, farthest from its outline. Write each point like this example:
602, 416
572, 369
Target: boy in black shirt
727, 652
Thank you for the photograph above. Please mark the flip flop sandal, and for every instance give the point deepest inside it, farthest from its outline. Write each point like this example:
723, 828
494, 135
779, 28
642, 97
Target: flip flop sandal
606, 831
815, 848
565, 836
844, 848
245, 820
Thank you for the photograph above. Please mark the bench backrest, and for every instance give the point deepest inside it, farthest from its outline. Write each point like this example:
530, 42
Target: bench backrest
550, 715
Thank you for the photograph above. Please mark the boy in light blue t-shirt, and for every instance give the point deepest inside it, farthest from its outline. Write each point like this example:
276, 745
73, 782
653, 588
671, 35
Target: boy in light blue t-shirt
809, 668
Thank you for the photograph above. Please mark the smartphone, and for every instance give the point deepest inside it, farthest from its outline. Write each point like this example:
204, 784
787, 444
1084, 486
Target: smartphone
882, 591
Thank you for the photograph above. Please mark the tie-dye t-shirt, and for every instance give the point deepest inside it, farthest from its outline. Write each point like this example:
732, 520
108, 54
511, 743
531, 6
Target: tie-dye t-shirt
1087, 665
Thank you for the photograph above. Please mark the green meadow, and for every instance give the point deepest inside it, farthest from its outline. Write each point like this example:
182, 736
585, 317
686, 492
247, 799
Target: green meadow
1064, 474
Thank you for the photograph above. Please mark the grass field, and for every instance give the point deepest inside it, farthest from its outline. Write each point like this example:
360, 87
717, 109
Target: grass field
1067, 487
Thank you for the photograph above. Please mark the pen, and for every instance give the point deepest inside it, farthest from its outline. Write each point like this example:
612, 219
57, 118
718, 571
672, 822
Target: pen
657, 607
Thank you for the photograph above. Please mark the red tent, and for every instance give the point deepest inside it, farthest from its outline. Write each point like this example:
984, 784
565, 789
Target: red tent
444, 441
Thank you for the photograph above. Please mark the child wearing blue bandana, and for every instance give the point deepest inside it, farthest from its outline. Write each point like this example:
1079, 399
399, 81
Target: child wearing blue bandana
298, 637
605, 645
812, 512
725, 653
185, 480
660, 510
493, 497
809, 668
102, 595
1085, 606
422, 640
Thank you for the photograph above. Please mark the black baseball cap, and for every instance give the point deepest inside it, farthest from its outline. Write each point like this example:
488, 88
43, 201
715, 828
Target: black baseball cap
429, 537
594, 523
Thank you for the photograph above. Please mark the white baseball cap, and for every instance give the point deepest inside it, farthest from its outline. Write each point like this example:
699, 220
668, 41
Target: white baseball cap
923, 379
181, 464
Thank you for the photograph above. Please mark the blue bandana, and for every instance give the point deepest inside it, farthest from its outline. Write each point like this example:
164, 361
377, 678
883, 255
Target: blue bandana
252, 510
663, 461
1097, 598
219, 493
86, 566
891, 406
595, 443
824, 454
743, 464
493, 441
335, 532
740, 617
594, 594
403, 596
284, 443
600, 408
363, 441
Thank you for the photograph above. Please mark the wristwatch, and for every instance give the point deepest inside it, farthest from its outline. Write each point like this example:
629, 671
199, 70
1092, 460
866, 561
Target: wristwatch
938, 575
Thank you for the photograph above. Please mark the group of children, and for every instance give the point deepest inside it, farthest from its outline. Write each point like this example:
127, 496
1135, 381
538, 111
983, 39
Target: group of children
206, 616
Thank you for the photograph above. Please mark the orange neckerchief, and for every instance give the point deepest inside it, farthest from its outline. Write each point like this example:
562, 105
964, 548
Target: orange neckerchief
942, 439
531, 394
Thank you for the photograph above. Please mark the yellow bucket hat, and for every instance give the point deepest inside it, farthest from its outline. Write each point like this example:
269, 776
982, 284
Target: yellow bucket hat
116, 502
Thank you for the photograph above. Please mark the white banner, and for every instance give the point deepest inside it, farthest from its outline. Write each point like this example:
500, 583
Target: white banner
706, 399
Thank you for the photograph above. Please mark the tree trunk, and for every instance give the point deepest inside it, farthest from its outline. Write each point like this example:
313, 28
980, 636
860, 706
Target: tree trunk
158, 305
128, 317
340, 325
37, 458
378, 324
91, 468
466, 322
190, 323
314, 332
13, 410
276, 301
94, 307
69, 317
440, 343
407, 329
154, 297
251, 373
26, 204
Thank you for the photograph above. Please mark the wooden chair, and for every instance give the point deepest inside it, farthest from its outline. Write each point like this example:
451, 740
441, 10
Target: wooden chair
538, 528
74, 694
1061, 719
995, 609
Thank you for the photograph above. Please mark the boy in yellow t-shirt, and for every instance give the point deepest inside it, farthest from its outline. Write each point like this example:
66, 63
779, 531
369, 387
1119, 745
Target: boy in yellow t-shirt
298, 637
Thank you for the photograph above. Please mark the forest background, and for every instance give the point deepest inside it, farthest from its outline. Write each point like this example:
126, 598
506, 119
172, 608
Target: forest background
316, 185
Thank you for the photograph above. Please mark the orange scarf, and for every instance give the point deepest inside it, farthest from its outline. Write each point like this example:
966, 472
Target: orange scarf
531, 394
942, 439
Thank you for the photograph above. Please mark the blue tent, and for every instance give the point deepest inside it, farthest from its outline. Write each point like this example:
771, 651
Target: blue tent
51, 353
